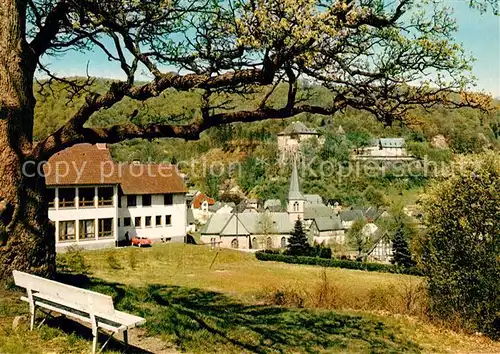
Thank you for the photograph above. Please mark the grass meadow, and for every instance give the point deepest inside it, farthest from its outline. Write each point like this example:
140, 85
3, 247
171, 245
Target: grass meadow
198, 300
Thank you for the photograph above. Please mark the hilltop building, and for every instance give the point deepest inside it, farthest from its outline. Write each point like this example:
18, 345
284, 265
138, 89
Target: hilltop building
291, 138
96, 203
385, 149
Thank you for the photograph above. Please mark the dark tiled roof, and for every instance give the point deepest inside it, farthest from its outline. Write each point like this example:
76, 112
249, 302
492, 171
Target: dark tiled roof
312, 211
332, 223
392, 142
297, 128
351, 215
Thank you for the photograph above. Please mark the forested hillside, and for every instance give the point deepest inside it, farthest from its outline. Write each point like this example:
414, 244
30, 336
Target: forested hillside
254, 144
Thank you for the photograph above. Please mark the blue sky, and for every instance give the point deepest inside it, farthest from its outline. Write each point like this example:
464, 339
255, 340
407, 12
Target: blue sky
479, 34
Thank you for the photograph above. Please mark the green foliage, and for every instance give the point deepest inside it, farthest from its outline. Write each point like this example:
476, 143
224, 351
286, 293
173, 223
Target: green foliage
359, 139
423, 150
356, 238
297, 243
112, 261
401, 250
323, 262
132, 259
73, 261
374, 197
461, 252
336, 147
252, 172
321, 251
212, 185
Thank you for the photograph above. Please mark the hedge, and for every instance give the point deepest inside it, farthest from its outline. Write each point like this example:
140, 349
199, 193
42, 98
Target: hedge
371, 267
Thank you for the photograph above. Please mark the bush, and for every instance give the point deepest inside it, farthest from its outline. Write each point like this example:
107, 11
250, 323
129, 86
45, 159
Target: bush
461, 249
112, 261
320, 251
371, 267
72, 261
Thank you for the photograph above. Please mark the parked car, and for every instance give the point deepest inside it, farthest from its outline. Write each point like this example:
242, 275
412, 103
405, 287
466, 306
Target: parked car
141, 241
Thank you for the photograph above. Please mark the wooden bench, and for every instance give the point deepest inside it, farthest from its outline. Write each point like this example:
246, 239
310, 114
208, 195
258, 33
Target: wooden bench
84, 305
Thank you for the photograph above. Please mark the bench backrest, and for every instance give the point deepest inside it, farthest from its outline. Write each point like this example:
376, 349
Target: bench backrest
90, 301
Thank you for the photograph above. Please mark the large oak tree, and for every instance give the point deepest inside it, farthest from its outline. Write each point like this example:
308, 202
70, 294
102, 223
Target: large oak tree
380, 56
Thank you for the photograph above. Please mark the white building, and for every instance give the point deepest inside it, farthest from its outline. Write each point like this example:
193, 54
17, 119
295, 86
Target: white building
385, 149
96, 203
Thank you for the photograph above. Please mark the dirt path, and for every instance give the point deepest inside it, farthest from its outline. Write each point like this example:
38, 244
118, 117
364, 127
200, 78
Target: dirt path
138, 339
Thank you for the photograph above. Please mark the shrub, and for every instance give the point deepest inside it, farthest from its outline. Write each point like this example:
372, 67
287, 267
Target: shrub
320, 251
461, 249
72, 261
132, 259
371, 267
112, 261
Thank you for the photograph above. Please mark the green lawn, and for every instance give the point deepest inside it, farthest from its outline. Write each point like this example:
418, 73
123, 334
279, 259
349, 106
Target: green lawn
226, 308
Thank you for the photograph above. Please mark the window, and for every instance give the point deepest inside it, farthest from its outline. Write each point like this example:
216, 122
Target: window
66, 230
105, 228
105, 195
126, 221
158, 220
213, 242
269, 243
86, 196
168, 199
283, 242
67, 197
131, 200
168, 220
50, 194
87, 230
296, 206
254, 242
137, 221
118, 220
234, 243
148, 221
146, 200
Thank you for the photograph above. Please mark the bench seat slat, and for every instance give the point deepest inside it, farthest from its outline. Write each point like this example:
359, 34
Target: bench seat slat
100, 324
117, 320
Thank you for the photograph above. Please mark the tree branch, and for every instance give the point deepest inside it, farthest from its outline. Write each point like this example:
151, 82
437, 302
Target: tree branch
50, 29
65, 138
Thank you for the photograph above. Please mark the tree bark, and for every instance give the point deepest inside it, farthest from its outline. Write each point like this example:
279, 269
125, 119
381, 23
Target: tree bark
26, 237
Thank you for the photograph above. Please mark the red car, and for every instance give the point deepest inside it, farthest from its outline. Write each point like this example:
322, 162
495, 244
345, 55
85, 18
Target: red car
141, 241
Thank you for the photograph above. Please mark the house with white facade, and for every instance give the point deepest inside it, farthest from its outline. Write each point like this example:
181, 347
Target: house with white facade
384, 149
95, 202
327, 231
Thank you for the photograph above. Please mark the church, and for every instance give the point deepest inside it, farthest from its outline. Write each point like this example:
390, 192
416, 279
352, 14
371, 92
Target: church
271, 227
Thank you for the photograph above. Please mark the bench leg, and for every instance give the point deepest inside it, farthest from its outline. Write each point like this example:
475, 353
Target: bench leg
125, 340
32, 313
95, 333
94, 342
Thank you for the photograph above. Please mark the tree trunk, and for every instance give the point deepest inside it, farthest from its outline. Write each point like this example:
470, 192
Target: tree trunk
26, 239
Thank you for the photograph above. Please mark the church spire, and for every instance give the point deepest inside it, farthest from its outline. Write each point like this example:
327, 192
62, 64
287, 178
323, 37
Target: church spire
294, 190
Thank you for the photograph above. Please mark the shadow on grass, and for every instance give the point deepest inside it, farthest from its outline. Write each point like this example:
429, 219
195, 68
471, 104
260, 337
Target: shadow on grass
202, 321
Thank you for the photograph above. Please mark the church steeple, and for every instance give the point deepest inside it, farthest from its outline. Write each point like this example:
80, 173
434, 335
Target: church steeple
296, 201
294, 190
